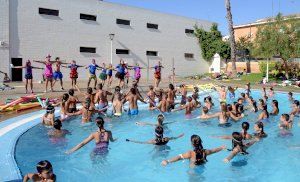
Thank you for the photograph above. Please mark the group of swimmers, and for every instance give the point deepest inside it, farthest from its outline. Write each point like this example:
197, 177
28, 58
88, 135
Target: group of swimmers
106, 75
96, 104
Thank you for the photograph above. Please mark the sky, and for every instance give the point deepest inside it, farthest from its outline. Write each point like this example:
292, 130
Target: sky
243, 11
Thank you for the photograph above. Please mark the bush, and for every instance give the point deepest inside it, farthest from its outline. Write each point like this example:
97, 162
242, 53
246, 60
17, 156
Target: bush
263, 66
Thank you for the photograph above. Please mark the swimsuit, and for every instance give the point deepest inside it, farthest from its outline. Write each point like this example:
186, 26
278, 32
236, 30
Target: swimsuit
183, 100
48, 71
161, 141
28, 73
101, 146
57, 75
224, 125
118, 114
103, 75
73, 73
133, 112
231, 95
102, 106
157, 73
137, 72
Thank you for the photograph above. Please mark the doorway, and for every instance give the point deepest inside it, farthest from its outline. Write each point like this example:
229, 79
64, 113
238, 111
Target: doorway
16, 74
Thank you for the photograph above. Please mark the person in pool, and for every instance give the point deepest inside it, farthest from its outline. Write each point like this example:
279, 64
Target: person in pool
259, 130
197, 156
48, 118
208, 102
133, 99
160, 122
264, 115
92, 72
86, 111
64, 107
57, 132
188, 107
271, 92
101, 137
28, 74
275, 110
171, 96
286, 121
159, 138
72, 101
183, 93
261, 104
151, 96
163, 105
44, 173
238, 146
118, 106
244, 133
290, 96
101, 97
295, 108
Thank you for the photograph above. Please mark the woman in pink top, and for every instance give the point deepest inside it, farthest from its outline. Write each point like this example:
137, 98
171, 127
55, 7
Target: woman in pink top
48, 73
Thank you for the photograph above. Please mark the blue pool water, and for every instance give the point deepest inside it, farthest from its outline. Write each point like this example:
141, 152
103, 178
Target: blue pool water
271, 159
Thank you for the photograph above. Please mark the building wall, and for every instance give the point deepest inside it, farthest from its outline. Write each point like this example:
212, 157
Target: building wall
240, 66
245, 32
33, 36
4, 36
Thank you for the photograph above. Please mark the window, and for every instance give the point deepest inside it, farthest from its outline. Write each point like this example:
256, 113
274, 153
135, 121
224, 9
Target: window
51, 12
189, 55
122, 51
152, 26
88, 49
189, 31
151, 53
123, 22
88, 17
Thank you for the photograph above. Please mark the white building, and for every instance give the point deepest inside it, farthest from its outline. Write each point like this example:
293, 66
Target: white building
79, 30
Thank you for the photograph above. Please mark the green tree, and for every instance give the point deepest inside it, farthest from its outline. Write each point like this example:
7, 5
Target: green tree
211, 43
280, 37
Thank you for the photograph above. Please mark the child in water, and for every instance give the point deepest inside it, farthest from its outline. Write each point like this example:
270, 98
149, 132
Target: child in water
57, 132
238, 146
197, 156
159, 138
48, 118
44, 173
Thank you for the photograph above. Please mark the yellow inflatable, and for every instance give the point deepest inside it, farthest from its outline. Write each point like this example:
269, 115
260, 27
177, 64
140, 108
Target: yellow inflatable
21, 106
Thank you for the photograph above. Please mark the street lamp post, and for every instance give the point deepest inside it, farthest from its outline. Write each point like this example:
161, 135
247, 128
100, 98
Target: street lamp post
111, 37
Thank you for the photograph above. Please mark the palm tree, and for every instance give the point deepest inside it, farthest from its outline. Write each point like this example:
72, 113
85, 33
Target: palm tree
231, 38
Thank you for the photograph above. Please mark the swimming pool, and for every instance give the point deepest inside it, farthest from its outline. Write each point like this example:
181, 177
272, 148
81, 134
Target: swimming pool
271, 159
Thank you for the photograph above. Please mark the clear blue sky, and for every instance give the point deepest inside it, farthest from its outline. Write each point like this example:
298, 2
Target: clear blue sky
244, 11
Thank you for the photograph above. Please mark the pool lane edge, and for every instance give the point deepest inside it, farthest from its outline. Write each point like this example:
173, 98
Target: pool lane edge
9, 135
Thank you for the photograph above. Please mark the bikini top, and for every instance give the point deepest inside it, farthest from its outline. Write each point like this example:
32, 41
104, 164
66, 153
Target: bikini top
161, 141
200, 157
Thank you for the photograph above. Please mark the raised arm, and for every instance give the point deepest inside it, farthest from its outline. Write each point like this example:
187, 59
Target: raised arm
232, 154
215, 150
83, 143
145, 124
187, 155
43, 62
37, 68
140, 142
179, 136
28, 176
